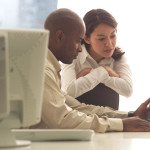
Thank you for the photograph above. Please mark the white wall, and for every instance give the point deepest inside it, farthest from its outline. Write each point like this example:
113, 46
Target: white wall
9, 13
133, 18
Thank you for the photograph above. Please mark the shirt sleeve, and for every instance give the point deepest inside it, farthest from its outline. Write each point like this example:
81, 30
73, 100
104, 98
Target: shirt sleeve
60, 110
122, 85
76, 87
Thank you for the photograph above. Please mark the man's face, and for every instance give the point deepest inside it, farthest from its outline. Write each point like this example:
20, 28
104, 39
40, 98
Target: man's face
72, 46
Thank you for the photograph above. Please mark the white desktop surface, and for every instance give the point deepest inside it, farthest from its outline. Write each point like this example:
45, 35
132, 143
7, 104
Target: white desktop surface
100, 141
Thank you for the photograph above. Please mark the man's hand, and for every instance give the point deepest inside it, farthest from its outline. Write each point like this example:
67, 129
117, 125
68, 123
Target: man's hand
83, 72
135, 124
111, 72
142, 110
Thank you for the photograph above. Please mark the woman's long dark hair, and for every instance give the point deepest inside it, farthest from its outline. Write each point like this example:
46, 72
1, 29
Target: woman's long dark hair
100, 16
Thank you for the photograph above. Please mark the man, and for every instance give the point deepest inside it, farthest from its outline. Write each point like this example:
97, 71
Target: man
60, 110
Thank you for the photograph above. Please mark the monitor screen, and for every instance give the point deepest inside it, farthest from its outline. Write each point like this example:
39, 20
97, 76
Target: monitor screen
21, 79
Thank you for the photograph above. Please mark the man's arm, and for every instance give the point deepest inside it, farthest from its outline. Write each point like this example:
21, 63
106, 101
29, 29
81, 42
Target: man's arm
56, 113
92, 109
132, 121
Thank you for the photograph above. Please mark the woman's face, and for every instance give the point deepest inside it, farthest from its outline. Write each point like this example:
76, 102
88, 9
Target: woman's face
102, 42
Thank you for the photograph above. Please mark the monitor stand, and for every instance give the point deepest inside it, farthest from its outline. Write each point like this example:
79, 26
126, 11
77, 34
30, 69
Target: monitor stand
7, 138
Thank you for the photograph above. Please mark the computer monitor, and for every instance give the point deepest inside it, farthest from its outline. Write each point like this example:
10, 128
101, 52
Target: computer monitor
4, 88
22, 59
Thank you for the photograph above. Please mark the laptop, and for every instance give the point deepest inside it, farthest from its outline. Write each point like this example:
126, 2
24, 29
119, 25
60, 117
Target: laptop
53, 134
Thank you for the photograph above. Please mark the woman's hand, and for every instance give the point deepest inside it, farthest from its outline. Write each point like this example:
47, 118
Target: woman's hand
111, 72
83, 72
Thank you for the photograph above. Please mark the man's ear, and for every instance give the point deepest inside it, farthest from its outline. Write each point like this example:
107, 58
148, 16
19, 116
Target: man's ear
86, 39
59, 35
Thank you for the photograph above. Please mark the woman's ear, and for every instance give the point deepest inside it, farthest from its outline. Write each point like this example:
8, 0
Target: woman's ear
86, 39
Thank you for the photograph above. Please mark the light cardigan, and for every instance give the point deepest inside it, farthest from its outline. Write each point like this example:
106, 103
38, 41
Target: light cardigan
76, 87
60, 110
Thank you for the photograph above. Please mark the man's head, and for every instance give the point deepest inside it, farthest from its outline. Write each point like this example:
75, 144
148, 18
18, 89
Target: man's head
66, 33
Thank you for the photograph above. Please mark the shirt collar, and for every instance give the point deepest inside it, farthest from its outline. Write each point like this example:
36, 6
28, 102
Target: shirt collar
84, 55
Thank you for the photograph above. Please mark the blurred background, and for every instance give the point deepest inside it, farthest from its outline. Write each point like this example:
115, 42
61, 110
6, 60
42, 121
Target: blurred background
133, 32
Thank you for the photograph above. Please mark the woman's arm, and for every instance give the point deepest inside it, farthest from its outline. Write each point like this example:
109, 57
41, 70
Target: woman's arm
111, 72
77, 84
123, 83
83, 72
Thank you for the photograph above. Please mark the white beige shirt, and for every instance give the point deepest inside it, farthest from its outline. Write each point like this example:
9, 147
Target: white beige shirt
60, 110
76, 87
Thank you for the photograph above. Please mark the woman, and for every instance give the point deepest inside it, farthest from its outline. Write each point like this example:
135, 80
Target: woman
100, 73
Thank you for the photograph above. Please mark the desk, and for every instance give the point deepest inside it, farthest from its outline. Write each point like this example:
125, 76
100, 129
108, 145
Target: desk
100, 141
